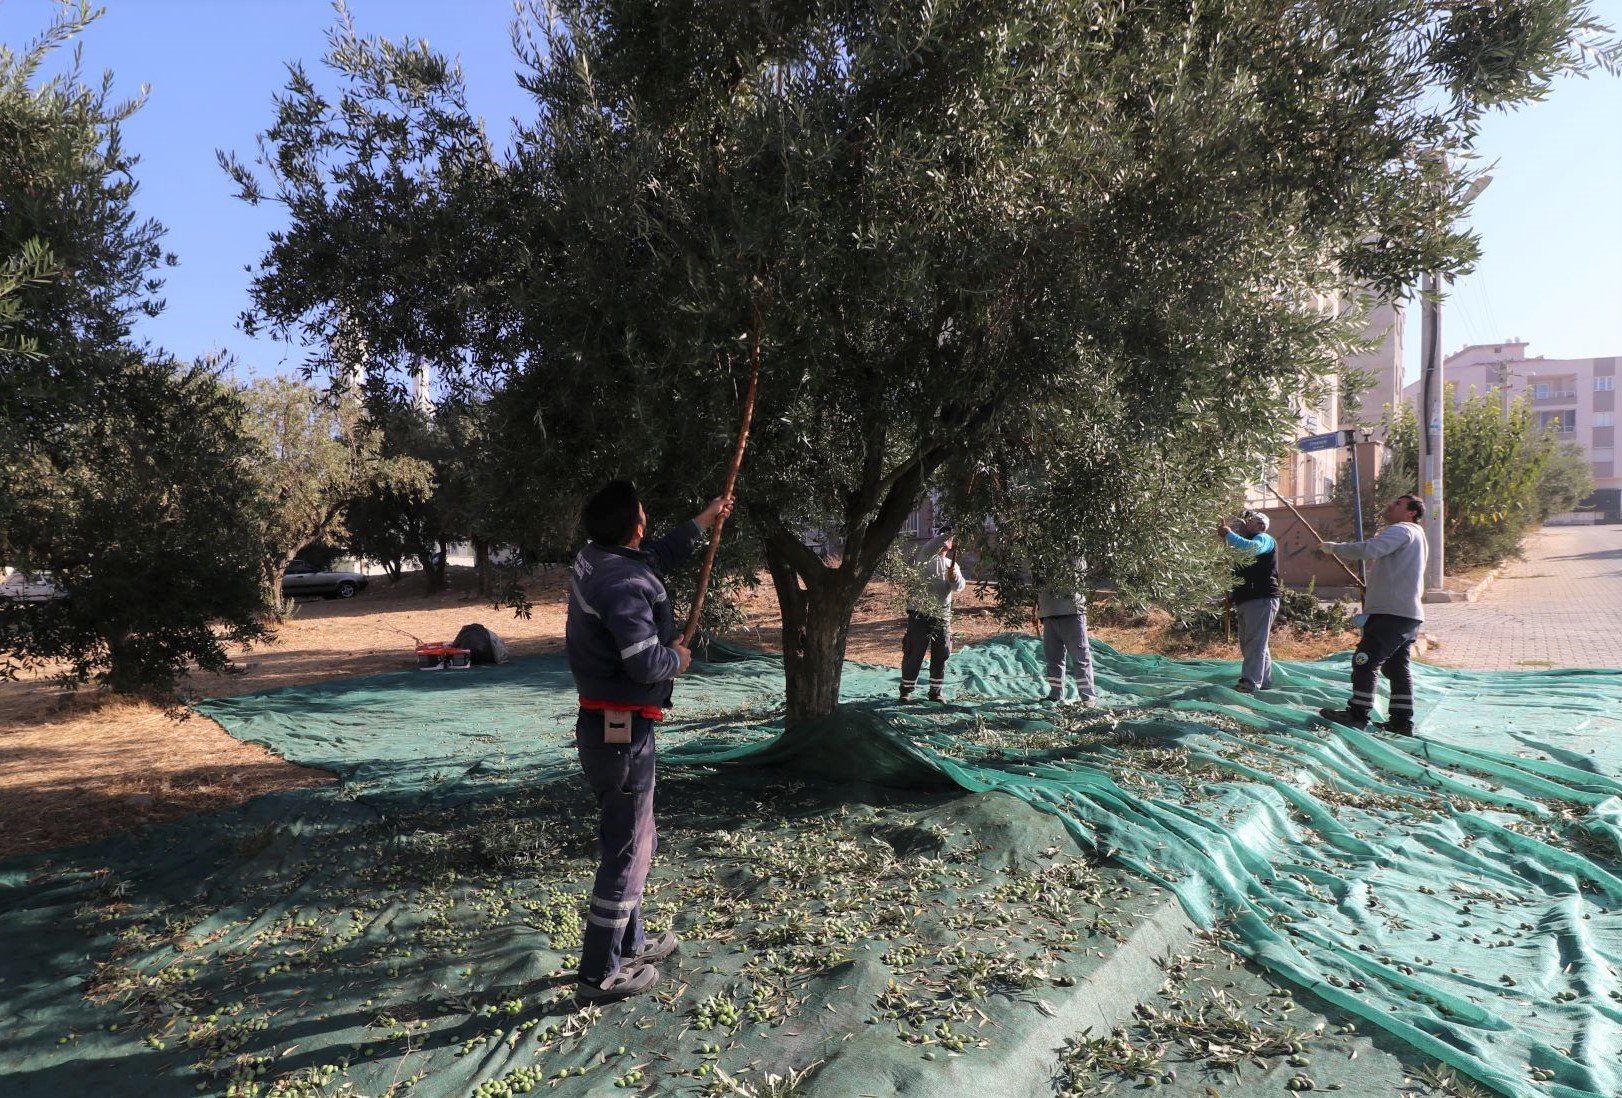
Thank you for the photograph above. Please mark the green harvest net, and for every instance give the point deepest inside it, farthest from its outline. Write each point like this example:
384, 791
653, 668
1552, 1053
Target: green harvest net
904, 900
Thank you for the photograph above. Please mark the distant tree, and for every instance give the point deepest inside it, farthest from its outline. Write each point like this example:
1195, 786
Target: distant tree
1495, 456
397, 520
124, 472
1565, 481
1058, 262
318, 454
139, 511
471, 483
375, 533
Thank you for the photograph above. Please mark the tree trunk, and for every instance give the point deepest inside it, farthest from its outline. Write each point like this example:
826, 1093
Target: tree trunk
816, 603
433, 567
275, 572
124, 671
481, 565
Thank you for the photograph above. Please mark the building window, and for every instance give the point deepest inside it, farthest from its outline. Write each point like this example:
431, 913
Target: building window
1541, 391
1604, 384
1604, 419
1602, 453
1559, 422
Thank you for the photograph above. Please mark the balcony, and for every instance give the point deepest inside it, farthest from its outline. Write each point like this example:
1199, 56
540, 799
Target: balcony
1542, 397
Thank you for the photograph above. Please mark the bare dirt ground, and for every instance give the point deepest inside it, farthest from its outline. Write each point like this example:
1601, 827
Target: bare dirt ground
82, 767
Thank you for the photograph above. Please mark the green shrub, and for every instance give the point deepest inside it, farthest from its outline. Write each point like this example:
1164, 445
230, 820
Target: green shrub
1306, 613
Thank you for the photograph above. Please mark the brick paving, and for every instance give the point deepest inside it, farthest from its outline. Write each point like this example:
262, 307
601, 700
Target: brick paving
1560, 607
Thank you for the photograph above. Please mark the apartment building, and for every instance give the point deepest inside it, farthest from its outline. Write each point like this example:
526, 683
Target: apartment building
1308, 477
1573, 397
1381, 362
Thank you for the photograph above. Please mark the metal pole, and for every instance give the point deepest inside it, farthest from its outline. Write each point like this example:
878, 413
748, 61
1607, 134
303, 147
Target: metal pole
1357, 500
1432, 413
1357, 487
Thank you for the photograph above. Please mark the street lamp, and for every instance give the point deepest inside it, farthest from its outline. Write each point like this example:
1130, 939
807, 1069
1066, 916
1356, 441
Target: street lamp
1432, 408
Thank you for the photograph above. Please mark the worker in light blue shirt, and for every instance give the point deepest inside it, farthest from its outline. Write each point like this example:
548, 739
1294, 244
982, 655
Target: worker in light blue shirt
1255, 596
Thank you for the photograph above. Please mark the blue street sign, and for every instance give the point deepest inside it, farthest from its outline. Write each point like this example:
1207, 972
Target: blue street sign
1326, 441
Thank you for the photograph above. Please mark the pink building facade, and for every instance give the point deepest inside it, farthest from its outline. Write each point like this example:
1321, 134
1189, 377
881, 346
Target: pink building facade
1573, 397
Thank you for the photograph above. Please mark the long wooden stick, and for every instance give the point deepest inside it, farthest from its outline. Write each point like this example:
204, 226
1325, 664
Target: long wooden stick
732, 479
1303, 520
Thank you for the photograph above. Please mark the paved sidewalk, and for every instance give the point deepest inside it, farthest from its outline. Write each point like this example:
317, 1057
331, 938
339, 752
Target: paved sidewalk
1560, 607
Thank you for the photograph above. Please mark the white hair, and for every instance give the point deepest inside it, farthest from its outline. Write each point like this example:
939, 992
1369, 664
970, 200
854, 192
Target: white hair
1261, 519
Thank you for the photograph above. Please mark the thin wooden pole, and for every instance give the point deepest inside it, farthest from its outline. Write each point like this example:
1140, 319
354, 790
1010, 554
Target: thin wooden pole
1303, 519
732, 479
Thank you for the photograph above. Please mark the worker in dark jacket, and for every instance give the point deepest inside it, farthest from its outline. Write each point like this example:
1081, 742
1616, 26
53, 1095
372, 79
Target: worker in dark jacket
1255, 597
624, 651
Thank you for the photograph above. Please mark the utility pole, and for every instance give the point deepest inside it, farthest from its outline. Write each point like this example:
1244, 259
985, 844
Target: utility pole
1433, 403
1433, 400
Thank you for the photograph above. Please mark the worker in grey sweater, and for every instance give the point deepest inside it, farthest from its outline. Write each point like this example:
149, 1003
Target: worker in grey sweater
929, 615
1063, 614
1393, 602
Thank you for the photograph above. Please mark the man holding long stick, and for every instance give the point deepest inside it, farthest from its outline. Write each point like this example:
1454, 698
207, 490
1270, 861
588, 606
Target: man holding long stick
1395, 611
624, 652
929, 615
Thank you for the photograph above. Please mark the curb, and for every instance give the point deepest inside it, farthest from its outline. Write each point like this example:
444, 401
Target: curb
1469, 594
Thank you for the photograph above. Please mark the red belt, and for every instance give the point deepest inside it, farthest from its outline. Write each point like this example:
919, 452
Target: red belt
651, 712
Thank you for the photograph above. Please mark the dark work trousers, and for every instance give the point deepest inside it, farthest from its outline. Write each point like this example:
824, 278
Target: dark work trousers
621, 776
925, 634
1385, 644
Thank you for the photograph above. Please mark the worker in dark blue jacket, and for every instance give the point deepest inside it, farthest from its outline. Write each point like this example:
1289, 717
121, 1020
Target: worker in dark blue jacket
624, 651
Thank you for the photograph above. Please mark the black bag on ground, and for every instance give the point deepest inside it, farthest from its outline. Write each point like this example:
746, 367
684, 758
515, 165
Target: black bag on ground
483, 646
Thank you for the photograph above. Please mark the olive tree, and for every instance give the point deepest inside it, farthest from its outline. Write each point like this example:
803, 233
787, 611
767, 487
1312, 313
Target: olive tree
1061, 262
125, 472
142, 513
318, 453
1505, 475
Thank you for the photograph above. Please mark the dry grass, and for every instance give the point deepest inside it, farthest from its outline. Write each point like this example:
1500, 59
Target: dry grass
79, 767
83, 767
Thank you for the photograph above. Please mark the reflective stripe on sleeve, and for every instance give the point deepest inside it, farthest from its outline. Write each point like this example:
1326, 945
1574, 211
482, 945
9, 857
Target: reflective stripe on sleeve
639, 646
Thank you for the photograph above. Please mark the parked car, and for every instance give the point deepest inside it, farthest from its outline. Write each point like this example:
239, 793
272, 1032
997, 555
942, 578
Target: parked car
30, 587
303, 578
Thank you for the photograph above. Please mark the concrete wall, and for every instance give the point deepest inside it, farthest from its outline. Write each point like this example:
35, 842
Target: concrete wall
1297, 567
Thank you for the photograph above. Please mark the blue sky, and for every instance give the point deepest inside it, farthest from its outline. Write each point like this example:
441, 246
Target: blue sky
1550, 222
